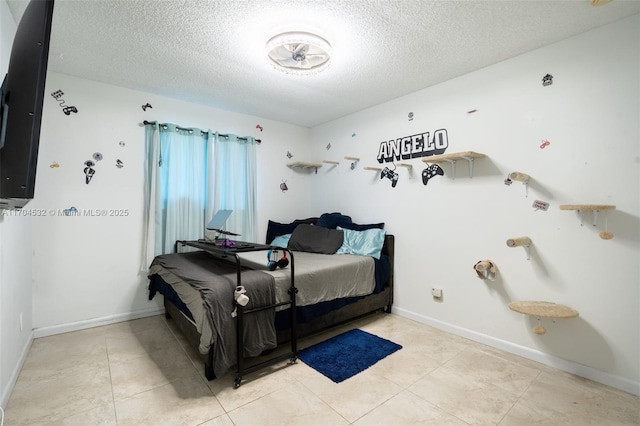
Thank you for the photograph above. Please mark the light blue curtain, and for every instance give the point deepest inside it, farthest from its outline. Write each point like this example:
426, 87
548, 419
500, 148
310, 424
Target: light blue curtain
236, 183
189, 175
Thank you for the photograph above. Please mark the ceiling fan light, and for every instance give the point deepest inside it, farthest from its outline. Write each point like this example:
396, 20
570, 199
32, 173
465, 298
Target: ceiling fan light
299, 53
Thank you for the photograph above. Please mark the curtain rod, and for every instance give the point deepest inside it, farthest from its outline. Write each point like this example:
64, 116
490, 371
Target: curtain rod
145, 122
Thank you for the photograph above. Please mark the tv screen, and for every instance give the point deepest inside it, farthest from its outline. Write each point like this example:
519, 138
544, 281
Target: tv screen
21, 100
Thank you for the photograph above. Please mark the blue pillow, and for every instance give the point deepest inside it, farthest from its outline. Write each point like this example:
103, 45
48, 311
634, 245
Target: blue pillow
363, 243
281, 241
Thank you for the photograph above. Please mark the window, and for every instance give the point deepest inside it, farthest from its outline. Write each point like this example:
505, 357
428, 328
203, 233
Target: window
189, 175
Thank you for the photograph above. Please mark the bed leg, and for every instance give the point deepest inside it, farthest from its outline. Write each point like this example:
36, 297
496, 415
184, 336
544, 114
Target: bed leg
387, 309
167, 315
208, 372
208, 366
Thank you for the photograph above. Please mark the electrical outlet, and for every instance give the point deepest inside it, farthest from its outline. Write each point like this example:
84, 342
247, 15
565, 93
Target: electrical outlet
437, 294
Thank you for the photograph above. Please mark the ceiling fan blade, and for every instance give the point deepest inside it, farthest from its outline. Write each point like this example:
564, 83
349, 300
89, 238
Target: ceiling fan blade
288, 62
300, 48
315, 50
282, 51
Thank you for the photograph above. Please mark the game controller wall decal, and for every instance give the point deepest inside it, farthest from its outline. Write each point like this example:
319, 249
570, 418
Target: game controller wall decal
57, 95
391, 175
431, 171
71, 211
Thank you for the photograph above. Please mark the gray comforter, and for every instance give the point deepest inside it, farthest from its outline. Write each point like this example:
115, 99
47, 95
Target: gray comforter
216, 282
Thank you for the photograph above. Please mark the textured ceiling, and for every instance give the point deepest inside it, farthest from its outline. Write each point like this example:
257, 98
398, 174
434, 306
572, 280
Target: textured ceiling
212, 52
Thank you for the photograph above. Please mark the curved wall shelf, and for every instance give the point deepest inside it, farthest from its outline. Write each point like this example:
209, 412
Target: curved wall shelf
543, 310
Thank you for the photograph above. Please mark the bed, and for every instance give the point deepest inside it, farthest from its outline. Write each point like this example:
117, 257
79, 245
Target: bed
338, 271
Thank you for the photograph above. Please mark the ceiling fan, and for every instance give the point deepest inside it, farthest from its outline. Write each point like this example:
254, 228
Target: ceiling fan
299, 52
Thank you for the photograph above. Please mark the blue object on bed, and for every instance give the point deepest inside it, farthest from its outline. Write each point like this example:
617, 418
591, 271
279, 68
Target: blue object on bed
333, 220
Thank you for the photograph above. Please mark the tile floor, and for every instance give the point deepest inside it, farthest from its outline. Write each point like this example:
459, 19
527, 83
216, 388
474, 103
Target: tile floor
142, 373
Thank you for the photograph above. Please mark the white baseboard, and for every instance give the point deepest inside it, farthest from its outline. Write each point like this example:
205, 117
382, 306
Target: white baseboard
6, 392
590, 373
96, 322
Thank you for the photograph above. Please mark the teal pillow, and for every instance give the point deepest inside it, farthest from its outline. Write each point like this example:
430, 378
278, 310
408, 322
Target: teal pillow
281, 241
363, 243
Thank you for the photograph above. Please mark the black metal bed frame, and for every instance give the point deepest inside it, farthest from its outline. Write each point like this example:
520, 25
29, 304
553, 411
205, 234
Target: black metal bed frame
225, 249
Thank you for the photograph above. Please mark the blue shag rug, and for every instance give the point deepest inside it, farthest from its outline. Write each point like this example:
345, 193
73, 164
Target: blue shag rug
347, 354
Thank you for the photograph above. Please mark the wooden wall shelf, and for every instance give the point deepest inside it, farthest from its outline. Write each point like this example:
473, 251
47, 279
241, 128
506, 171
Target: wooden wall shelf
469, 156
331, 162
304, 165
354, 161
593, 208
377, 169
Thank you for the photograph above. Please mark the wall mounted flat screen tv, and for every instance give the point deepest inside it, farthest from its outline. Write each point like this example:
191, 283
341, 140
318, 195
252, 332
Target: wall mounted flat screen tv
21, 100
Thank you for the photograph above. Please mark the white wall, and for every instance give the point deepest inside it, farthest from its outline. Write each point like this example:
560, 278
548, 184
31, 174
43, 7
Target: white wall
86, 268
590, 115
15, 262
